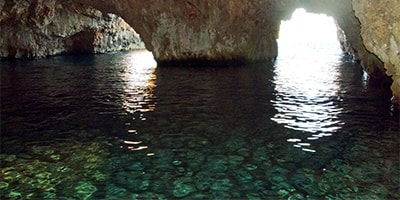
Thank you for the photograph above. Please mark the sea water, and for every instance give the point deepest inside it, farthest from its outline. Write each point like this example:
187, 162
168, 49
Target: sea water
117, 126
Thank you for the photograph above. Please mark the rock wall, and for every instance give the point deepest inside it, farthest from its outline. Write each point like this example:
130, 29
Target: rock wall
38, 28
197, 30
235, 30
380, 30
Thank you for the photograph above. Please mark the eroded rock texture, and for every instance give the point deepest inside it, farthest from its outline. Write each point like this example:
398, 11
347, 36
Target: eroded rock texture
380, 29
242, 30
198, 30
37, 28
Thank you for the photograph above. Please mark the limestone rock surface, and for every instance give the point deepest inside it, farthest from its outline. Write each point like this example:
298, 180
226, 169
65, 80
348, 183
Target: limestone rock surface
197, 30
38, 28
236, 30
380, 30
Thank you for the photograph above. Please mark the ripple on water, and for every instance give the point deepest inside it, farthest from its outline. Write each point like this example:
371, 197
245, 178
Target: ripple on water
223, 133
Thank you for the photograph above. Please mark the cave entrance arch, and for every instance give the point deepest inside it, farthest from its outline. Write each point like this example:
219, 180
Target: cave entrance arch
306, 73
306, 34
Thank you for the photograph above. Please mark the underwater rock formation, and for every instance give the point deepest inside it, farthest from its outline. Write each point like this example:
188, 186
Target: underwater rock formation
55, 169
41, 28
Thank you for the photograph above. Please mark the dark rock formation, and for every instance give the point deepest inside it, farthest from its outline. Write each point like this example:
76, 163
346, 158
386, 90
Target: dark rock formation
38, 28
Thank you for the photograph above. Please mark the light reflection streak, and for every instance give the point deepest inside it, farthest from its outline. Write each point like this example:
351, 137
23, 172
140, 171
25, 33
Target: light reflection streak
132, 148
138, 98
132, 142
139, 78
306, 77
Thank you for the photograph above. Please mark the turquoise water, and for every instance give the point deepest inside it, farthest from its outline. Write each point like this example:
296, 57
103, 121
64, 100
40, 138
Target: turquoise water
117, 126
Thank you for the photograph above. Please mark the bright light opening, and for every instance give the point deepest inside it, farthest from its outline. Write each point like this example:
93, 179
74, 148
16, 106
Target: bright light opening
309, 28
139, 78
306, 74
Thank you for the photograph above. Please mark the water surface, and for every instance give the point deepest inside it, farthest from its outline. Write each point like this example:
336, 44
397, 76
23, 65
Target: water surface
118, 127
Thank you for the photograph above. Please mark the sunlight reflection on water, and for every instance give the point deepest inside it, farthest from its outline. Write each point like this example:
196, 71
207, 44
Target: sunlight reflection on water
306, 77
139, 78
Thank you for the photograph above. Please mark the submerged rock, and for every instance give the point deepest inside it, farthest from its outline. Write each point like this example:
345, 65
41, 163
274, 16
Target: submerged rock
84, 190
181, 190
242, 176
74, 175
204, 180
222, 185
183, 187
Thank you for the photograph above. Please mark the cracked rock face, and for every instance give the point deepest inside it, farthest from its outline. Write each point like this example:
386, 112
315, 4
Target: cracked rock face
380, 30
38, 28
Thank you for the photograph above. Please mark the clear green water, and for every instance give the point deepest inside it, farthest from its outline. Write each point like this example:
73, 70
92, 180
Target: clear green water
118, 127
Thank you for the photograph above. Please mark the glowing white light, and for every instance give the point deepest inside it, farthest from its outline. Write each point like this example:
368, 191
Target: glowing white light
303, 27
139, 79
306, 76
132, 142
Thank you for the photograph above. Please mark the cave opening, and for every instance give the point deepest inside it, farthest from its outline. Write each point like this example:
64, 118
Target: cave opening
306, 34
308, 73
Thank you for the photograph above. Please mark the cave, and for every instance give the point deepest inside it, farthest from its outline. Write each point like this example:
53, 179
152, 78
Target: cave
217, 32
196, 99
